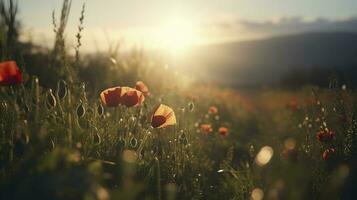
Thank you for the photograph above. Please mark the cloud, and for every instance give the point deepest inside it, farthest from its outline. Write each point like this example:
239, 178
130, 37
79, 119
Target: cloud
291, 25
230, 28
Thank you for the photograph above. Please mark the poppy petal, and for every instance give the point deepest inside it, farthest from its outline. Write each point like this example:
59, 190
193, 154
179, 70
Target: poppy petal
130, 99
163, 112
158, 121
170, 119
111, 97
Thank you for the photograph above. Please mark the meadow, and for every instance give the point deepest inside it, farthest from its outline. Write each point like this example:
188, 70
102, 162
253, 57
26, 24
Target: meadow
109, 126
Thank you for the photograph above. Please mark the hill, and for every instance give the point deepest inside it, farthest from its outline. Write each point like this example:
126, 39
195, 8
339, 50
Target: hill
272, 60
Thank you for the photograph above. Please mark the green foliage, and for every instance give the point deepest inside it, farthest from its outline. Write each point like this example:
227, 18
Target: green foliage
57, 141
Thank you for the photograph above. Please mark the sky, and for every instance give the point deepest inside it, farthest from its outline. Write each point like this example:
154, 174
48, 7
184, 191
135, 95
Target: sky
175, 25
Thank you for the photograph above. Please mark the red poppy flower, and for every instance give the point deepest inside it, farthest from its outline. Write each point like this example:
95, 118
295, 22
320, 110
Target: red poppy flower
206, 128
223, 131
293, 105
328, 152
163, 116
10, 73
213, 110
325, 136
111, 97
141, 86
116, 96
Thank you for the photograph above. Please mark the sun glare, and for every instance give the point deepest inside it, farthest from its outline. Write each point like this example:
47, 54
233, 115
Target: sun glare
177, 35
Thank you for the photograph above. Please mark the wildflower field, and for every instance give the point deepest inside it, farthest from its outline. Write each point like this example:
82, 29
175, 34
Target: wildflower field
128, 127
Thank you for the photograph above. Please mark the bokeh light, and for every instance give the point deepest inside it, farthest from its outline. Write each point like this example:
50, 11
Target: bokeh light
130, 156
257, 194
264, 156
290, 143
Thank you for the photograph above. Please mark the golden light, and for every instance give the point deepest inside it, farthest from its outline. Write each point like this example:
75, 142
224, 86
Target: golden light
264, 155
177, 35
257, 194
290, 143
130, 156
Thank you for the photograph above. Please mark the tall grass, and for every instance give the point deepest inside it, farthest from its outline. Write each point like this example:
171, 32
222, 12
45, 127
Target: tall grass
59, 142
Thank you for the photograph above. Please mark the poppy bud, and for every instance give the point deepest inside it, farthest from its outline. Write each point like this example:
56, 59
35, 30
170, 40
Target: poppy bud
183, 139
51, 100
53, 145
61, 89
100, 110
97, 139
191, 106
133, 142
141, 86
80, 110
3, 107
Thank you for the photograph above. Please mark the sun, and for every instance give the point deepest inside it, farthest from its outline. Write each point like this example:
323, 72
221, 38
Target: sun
177, 35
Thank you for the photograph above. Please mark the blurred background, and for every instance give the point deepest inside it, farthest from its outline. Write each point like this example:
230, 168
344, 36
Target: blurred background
236, 43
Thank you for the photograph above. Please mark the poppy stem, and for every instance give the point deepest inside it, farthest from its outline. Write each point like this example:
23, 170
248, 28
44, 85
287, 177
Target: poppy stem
69, 133
158, 178
160, 148
142, 143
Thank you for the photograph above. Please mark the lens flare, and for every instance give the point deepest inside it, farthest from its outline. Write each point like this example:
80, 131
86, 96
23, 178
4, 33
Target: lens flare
177, 35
